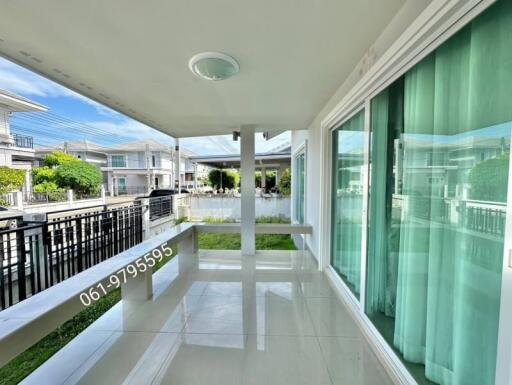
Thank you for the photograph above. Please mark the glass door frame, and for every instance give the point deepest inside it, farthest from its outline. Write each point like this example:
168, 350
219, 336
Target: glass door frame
504, 352
301, 150
328, 176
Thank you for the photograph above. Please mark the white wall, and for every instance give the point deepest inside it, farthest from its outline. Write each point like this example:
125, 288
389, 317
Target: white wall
314, 164
219, 206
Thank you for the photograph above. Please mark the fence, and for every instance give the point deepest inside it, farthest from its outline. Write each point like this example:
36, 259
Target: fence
40, 254
23, 141
161, 207
45, 197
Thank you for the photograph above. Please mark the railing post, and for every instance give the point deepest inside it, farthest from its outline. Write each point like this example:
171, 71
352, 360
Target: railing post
103, 195
20, 251
146, 220
79, 253
19, 200
70, 198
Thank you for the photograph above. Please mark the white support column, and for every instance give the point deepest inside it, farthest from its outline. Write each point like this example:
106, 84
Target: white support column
178, 164
195, 177
248, 200
263, 178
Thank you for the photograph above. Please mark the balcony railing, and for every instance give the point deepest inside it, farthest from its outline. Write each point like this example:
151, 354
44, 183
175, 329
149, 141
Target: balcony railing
40, 254
23, 141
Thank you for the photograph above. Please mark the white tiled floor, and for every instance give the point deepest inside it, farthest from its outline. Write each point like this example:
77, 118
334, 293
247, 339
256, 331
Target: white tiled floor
268, 319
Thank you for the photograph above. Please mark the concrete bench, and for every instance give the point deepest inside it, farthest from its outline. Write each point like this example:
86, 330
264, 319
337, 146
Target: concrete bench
27, 322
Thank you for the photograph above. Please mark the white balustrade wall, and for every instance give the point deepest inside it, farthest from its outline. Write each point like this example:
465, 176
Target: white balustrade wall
219, 206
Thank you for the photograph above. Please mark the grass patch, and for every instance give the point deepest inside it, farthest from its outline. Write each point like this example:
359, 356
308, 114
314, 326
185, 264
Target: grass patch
218, 241
28, 361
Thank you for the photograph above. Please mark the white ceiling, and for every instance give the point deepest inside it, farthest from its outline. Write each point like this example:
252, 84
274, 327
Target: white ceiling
133, 55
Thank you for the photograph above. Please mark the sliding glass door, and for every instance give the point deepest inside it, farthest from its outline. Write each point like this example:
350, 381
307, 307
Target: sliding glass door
440, 146
347, 199
299, 193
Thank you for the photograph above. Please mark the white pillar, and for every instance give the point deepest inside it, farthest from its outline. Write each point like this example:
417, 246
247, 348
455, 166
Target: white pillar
195, 177
263, 178
248, 200
278, 175
178, 164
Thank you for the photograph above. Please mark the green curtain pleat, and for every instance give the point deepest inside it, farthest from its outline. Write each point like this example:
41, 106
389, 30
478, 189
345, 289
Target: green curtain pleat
440, 281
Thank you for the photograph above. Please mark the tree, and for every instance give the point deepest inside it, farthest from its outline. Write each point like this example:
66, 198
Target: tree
10, 180
58, 158
285, 183
270, 180
489, 179
42, 175
79, 176
230, 179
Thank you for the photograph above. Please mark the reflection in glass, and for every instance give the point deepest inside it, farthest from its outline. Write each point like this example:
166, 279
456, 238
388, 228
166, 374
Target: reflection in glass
347, 198
439, 178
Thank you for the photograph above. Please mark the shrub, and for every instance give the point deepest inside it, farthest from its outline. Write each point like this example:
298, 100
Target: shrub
285, 183
46, 186
10, 180
58, 158
230, 179
42, 175
79, 176
270, 180
489, 179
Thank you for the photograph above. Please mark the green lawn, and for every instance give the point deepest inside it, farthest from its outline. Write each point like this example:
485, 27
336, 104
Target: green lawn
26, 362
216, 241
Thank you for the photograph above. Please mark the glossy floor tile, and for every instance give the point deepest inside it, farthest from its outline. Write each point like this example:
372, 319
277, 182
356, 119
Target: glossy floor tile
220, 318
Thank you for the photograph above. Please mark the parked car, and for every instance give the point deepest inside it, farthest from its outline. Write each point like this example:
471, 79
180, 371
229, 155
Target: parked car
9, 218
166, 191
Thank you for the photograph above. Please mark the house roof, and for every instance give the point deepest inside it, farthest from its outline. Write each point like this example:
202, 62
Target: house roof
16, 103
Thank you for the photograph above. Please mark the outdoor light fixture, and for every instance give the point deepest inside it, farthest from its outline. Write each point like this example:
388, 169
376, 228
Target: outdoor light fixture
213, 66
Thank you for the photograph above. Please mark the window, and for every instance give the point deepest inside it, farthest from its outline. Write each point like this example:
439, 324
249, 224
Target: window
118, 161
153, 160
347, 199
299, 190
436, 234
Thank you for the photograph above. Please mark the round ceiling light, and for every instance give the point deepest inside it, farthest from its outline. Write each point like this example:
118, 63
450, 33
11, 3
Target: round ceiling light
213, 66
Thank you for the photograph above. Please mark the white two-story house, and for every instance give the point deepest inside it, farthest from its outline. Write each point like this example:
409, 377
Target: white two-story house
16, 150
138, 167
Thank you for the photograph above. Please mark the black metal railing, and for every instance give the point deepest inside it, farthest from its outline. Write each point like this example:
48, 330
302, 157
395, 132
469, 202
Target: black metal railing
484, 219
161, 207
39, 254
23, 141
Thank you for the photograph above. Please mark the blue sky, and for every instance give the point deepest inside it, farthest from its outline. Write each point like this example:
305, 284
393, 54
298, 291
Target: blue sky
96, 122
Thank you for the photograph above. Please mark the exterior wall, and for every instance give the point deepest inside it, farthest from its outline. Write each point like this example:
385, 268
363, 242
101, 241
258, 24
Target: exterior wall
314, 164
219, 206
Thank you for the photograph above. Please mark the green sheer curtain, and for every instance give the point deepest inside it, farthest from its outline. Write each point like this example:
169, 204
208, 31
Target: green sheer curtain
347, 198
439, 169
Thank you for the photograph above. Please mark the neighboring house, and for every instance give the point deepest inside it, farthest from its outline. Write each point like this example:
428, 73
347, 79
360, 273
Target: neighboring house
134, 167
16, 151
82, 149
138, 167
193, 175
